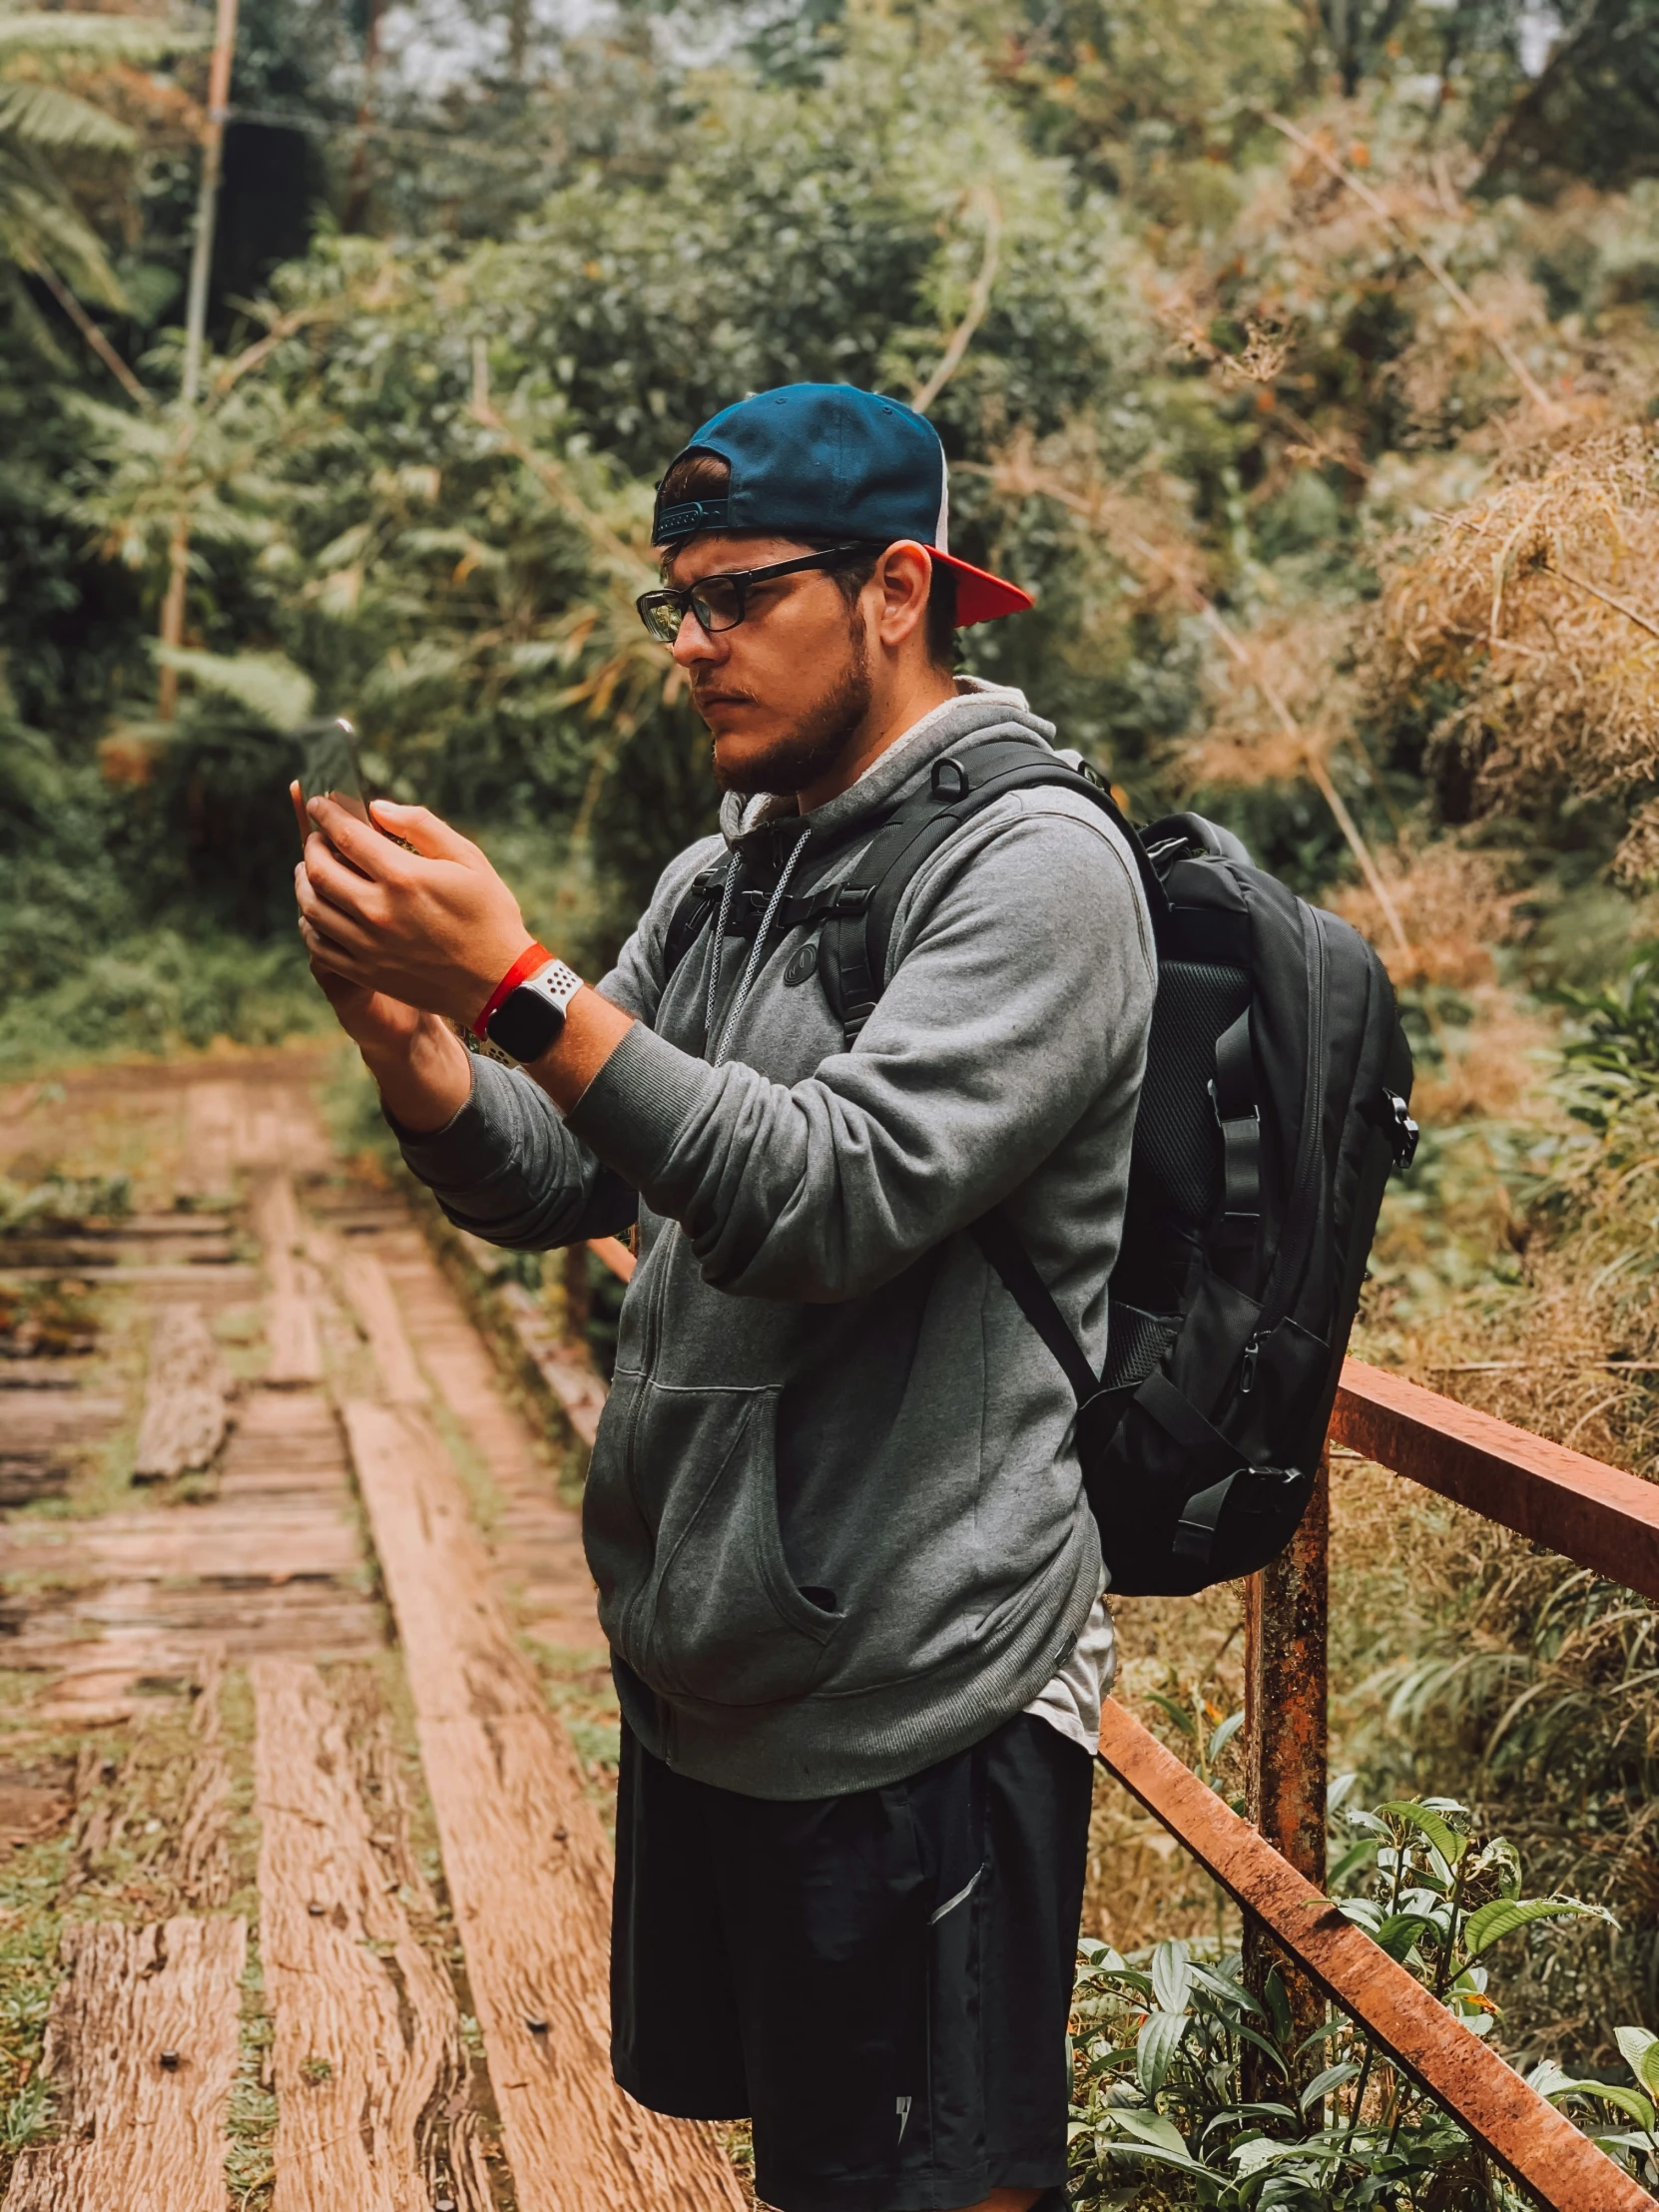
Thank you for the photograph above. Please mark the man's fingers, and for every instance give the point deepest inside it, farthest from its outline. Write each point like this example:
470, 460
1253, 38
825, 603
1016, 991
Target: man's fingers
364, 847
428, 832
330, 879
329, 954
328, 918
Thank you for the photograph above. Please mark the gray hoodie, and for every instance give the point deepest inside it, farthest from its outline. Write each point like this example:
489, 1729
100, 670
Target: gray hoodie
835, 1510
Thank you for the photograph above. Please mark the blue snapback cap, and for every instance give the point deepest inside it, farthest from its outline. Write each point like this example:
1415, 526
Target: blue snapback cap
828, 460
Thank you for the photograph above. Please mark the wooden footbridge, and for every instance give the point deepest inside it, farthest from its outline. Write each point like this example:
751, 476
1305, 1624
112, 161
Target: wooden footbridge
338, 1507
321, 1874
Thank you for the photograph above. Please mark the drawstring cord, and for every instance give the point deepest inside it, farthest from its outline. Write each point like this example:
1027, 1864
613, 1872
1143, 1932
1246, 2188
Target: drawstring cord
753, 967
727, 892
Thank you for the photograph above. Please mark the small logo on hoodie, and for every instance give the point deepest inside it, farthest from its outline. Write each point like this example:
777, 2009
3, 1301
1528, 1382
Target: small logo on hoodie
903, 2108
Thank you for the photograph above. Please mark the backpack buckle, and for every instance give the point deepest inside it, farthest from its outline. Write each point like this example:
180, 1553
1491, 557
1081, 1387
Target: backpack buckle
1402, 1130
851, 898
949, 780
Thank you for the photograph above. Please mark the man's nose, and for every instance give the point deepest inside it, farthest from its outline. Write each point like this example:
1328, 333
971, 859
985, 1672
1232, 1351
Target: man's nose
694, 643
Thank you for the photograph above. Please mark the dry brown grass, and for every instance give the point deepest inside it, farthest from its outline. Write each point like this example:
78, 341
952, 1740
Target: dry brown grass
1537, 608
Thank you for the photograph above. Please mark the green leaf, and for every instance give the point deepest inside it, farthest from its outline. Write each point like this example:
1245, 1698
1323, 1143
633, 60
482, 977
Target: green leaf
271, 689
1640, 2050
1225, 1733
1432, 1826
1150, 2127
1172, 1979
1610, 2092
1504, 1915
1177, 1713
1323, 2083
1156, 2046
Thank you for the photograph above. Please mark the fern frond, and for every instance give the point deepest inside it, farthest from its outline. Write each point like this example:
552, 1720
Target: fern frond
46, 116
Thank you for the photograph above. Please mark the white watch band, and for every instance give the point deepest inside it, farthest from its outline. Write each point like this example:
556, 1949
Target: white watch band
556, 983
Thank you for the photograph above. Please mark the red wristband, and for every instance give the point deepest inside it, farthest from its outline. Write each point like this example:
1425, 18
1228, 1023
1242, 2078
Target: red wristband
530, 962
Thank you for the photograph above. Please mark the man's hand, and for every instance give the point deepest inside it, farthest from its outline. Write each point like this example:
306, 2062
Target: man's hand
435, 928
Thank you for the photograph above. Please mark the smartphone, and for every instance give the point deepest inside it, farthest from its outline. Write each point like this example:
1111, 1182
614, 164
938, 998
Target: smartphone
329, 768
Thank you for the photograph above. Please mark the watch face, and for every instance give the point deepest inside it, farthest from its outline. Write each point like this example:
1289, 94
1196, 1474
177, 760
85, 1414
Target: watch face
525, 1024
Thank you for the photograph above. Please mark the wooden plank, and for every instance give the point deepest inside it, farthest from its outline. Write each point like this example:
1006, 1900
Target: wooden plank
1597, 1515
578, 1389
1533, 2144
184, 1275
368, 2028
142, 2049
369, 1295
295, 1347
270, 1543
185, 1399
202, 1856
535, 1540
525, 1860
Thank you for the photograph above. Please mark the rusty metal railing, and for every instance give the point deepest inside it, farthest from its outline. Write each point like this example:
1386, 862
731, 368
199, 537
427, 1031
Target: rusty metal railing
1274, 1863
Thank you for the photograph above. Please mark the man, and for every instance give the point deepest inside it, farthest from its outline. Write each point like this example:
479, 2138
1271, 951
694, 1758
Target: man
833, 1512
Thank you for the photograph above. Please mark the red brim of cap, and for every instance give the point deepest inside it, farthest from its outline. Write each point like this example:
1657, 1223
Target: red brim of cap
981, 596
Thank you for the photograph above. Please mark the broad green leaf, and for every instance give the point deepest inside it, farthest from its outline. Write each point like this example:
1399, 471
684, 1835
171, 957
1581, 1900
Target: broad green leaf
1323, 2083
1640, 2050
1504, 1915
1172, 1979
1610, 2092
1430, 1825
1156, 2046
1150, 2127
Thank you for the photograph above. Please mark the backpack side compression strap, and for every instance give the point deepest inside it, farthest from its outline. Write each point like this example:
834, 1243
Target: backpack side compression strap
998, 1240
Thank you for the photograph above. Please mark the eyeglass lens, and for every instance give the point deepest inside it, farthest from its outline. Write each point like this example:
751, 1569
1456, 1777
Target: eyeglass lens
716, 604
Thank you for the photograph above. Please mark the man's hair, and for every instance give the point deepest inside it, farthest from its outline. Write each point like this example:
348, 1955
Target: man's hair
709, 476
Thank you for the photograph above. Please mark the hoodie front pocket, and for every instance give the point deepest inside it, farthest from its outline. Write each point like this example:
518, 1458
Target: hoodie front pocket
727, 1623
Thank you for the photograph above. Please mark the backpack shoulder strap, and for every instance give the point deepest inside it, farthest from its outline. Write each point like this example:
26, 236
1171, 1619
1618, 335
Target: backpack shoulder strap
856, 934
692, 913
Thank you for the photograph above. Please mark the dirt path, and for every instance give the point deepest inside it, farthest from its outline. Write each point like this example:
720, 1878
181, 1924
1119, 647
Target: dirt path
287, 1593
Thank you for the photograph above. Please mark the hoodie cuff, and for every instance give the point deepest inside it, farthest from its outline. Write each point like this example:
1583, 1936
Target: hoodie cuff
473, 1142
635, 1107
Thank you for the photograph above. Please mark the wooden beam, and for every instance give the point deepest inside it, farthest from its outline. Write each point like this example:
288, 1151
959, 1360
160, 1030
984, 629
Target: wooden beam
524, 1856
1596, 1515
373, 1302
1533, 2144
368, 2028
296, 1352
141, 2048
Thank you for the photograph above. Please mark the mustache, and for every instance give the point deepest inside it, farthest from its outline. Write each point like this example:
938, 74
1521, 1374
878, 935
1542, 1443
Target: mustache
714, 689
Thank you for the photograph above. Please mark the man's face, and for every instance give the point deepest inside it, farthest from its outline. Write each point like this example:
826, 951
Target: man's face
783, 693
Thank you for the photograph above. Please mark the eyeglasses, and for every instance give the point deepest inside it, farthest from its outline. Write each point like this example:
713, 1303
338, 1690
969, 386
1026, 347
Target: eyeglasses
721, 602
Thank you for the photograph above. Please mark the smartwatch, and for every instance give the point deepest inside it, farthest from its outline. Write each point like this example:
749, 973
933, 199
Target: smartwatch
530, 1019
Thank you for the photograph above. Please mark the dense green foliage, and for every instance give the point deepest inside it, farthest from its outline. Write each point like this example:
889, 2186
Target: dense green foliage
418, 486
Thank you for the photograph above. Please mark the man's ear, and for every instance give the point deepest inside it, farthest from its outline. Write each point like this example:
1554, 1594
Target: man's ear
905, 575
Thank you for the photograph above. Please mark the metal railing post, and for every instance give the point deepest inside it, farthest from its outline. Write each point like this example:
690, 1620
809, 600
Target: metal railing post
1286, 1697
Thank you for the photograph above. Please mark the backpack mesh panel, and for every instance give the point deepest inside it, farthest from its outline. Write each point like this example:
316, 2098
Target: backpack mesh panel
1177, 1161
1175, 1174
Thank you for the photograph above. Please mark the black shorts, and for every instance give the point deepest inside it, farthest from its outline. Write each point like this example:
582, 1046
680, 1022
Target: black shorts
882, 1981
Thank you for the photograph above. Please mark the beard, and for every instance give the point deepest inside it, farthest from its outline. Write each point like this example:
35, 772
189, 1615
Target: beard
819, 736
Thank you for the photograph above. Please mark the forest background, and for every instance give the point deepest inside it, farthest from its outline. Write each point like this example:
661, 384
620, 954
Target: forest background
1299, 358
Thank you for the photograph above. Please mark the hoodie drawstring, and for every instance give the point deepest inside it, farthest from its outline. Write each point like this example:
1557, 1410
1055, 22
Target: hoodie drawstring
727, 892
757, 952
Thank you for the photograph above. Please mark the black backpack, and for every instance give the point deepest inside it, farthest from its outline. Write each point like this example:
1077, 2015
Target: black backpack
1278, 1080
